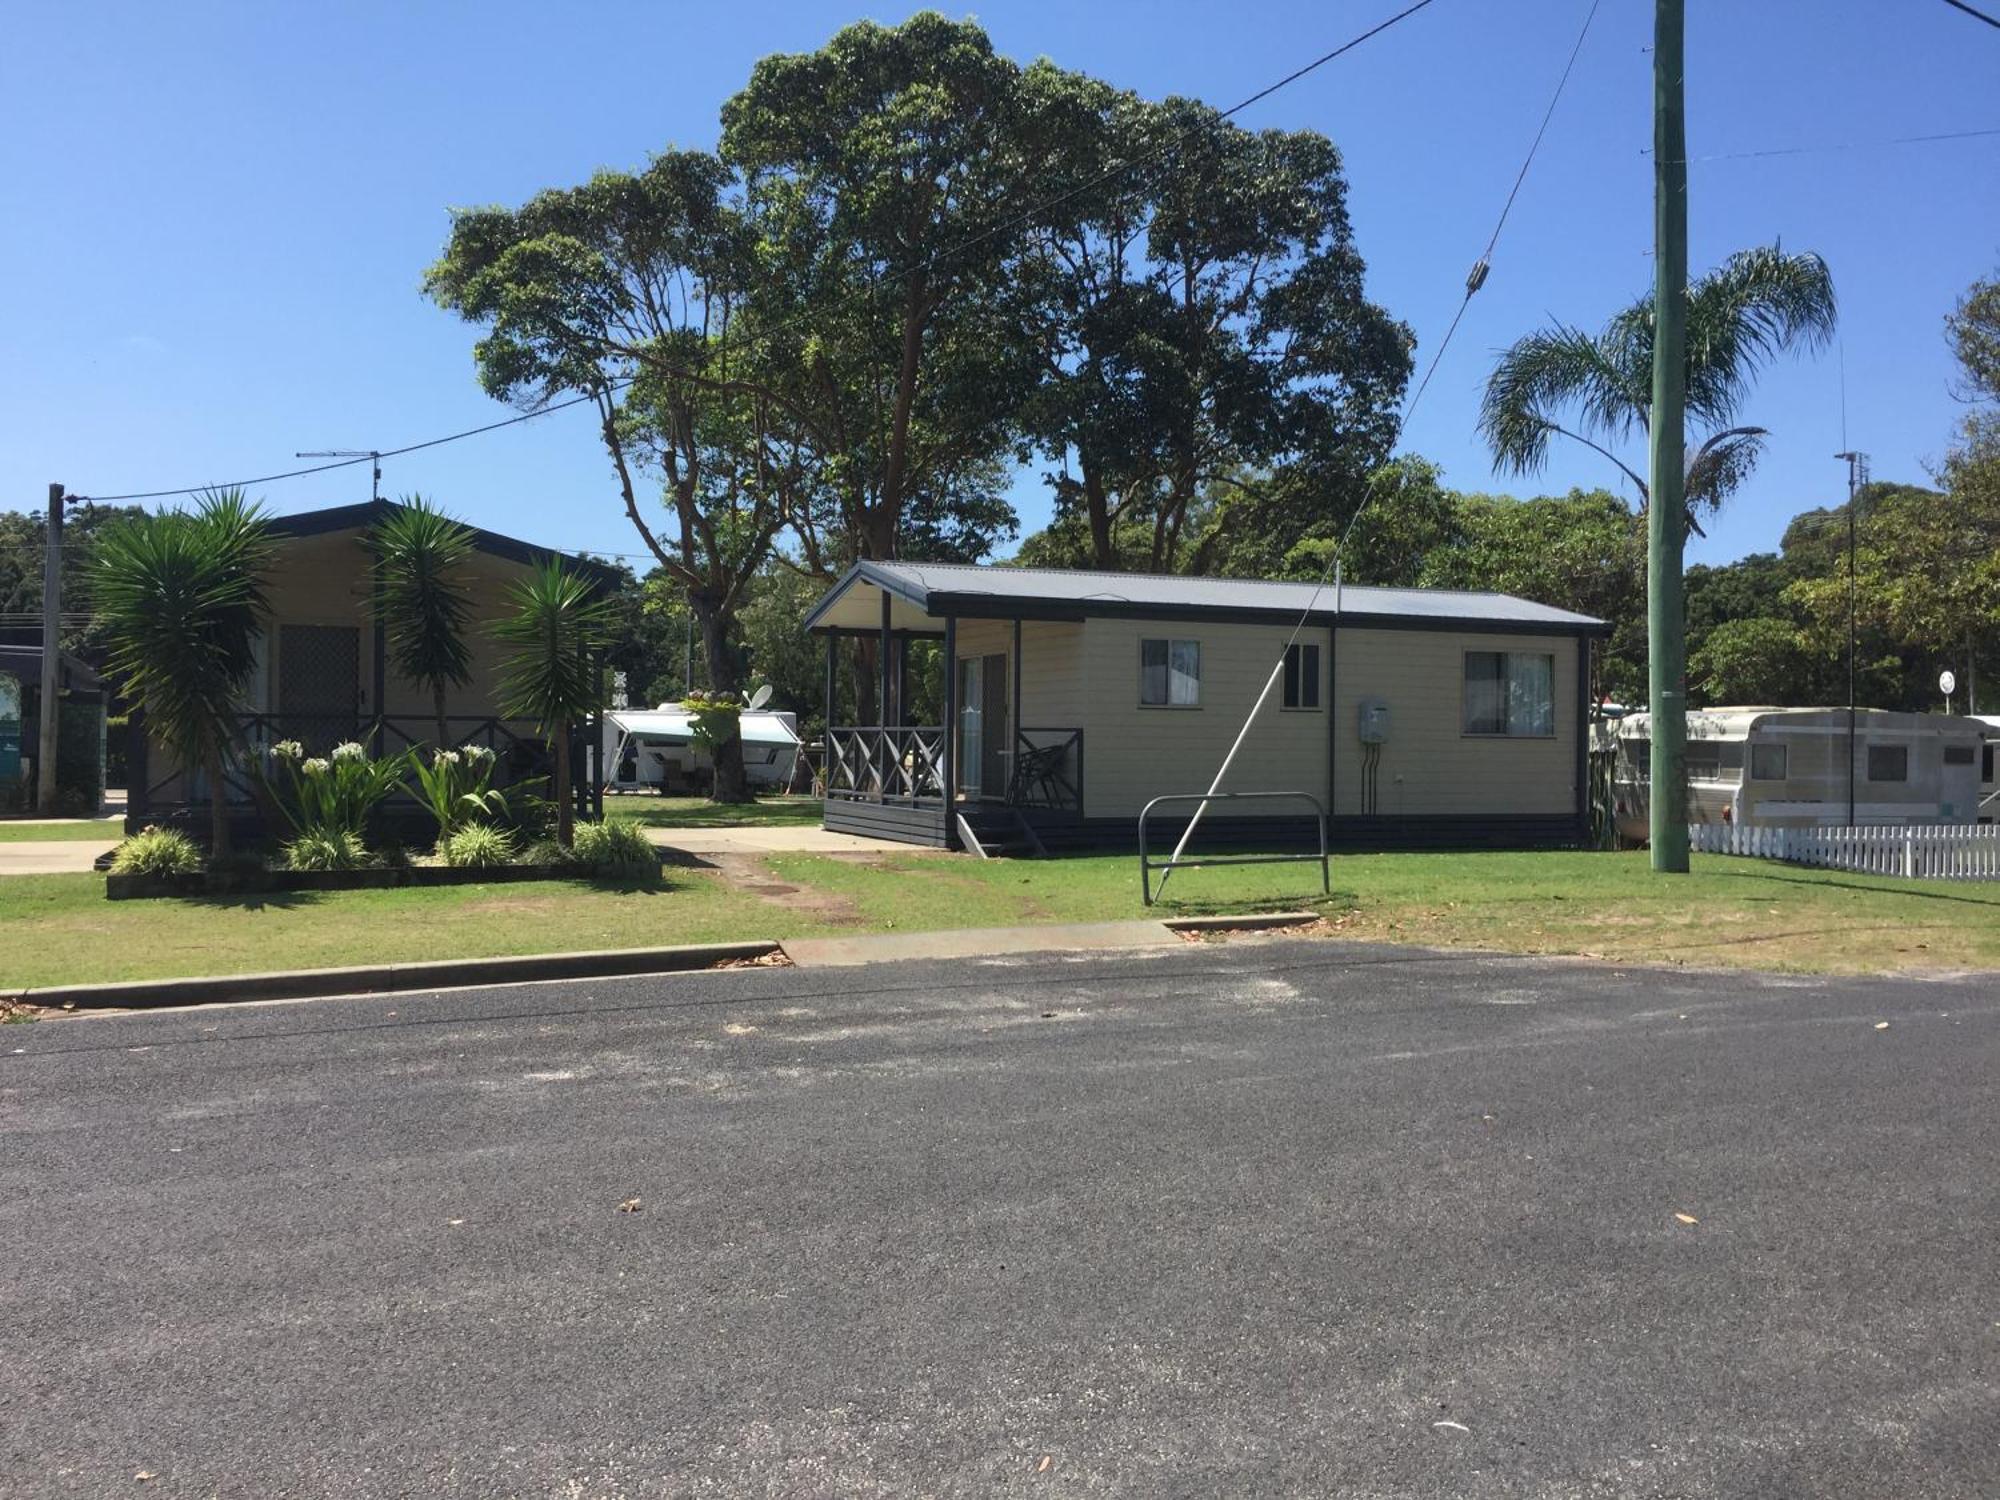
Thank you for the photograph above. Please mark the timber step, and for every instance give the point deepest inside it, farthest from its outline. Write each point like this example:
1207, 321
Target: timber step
995, 831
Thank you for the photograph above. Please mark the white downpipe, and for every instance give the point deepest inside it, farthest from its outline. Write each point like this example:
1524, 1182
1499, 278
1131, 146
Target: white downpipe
1216, 785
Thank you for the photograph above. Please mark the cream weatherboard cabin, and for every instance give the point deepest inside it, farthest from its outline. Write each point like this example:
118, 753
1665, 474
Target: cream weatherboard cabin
1071, 699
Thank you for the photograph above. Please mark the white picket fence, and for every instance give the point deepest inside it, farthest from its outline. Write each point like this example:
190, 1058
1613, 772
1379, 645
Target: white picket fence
1947, 851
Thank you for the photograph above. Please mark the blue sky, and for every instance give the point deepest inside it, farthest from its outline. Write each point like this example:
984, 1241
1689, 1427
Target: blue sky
219, 213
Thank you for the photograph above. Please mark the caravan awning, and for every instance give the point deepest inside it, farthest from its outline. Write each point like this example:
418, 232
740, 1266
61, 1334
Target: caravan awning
658, 724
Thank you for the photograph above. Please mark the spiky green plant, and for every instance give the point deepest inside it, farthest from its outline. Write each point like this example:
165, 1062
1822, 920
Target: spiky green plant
331, 849
557, 626
455, 787
180, 600
1755, 306
156, 851
615, 847
419, 564
478, 846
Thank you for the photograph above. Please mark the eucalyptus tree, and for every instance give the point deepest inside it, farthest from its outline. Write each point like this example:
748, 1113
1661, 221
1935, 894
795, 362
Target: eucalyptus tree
632, 289
1197, 309
419, 555
1755, 306
180, 600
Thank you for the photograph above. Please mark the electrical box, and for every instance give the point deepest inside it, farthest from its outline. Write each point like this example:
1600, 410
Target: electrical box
1374, 721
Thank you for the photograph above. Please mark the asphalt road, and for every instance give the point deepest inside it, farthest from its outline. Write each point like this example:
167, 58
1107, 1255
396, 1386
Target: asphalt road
1271, 1219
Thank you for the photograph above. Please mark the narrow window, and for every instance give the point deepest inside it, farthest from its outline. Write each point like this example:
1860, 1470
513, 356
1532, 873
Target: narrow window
1958, 755
1888, 762
1302, 675
1510, 693
1169, 674
1768, 762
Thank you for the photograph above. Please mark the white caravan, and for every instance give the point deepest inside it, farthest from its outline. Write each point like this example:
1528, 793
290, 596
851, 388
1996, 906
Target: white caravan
654, 750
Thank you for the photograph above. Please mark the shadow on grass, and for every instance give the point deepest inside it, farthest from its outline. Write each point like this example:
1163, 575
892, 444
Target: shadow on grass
252, 901
1248, 906
1991, 903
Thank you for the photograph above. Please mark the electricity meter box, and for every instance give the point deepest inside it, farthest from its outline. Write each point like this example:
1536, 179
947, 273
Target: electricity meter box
1374, 724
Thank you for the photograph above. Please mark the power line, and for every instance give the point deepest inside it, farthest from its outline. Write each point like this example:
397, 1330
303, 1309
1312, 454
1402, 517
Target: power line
1834, 146
1977, 15
871, 285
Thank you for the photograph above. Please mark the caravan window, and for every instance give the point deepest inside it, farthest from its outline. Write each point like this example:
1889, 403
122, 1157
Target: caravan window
1169, 674
1302, 675
1888, 762
1767, 763
1958, 755
1510, 693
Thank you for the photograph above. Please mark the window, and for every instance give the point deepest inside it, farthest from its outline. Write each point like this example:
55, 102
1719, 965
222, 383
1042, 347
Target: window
1768, 763
1510, 693
1986, 764
1301, 675
1169, 674
1888, 762
1958, 755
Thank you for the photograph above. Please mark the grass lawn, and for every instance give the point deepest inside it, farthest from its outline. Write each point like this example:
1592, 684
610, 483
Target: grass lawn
1748, 913
93, 832
699, 812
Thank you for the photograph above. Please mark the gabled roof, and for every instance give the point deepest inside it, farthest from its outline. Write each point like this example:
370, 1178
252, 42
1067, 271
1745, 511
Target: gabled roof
968, 591
368, 512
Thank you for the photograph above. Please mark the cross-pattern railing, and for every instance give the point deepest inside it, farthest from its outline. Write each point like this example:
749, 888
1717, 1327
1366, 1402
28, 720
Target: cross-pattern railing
1940, 851
1048, 770
901, 764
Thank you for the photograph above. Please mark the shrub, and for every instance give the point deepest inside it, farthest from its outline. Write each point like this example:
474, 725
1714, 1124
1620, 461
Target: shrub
546, 851
615, 848
455, 787
156, 851
332, 794
478, 846
335, 849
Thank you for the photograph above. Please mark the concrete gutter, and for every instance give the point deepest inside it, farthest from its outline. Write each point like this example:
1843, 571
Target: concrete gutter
446, 973
1250, 922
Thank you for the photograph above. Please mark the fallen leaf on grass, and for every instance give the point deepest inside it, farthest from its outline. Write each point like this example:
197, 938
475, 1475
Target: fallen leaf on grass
1454, 1426
1881, 1025
1687, 1218
145, 1474
629, 1206
1044, 1466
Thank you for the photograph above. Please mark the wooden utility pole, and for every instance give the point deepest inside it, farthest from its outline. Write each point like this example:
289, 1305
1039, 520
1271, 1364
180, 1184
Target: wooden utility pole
45, 752
1666, 517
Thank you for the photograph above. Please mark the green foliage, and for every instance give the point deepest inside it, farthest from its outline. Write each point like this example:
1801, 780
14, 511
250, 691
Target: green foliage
180, 597
327, 796
23, 542
328, 849
556, 627
477, 846
1973, 330
615, 848
1757, 305
455, 787
419, 555
1755, 661
714, 719
157, 851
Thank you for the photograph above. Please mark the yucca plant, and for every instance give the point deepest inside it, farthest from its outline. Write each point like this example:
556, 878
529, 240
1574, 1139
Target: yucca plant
420, 555
1757, 305
556, 628
180, 600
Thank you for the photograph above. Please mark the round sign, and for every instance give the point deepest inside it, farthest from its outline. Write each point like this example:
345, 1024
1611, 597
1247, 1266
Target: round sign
1946, 683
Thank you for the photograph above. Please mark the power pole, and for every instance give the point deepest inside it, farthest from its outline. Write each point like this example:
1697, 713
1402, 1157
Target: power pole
1666, 517
1857, 476
45, 753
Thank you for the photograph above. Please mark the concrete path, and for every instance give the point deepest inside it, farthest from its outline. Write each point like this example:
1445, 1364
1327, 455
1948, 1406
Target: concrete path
51, 856
979, 942
772, 841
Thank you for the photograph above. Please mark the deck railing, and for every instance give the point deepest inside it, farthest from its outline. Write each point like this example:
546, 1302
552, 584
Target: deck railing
1941, 851
900, 764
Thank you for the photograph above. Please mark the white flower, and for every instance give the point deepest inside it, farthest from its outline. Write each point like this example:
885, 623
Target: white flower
288, 750
319, 765
478, 753
349, 751
447, 758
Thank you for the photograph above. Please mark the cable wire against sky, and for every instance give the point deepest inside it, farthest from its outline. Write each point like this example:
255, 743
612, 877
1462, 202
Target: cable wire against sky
870, 286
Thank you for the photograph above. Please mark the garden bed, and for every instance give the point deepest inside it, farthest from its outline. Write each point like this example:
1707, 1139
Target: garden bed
382, 877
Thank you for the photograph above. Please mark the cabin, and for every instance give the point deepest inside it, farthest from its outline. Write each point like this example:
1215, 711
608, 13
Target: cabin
323, 673
1812, 768
1071, 699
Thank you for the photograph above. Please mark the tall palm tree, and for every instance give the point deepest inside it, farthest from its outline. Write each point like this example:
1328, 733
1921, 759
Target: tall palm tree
180, 597
420, 553
1757, 305
557, 627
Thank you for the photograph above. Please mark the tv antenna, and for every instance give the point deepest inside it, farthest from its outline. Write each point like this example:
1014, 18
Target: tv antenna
375, 489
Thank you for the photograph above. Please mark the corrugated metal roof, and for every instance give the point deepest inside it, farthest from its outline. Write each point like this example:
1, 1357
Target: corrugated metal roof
1129, 590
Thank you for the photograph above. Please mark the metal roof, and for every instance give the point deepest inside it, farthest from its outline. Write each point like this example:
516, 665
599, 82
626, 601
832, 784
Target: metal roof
939, 589
366, 513
665, 723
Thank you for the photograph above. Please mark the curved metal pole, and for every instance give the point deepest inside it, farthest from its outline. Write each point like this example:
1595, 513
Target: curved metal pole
1222, 771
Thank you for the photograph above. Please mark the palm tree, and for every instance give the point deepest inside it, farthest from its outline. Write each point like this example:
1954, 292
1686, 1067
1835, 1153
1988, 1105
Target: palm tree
180, 597
1758, 304
557, 627
421, 603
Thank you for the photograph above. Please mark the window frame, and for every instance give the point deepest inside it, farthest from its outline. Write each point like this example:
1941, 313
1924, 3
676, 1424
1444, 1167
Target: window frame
1466, 732
1868, 764
1170, 642
1296, 681
1766, 747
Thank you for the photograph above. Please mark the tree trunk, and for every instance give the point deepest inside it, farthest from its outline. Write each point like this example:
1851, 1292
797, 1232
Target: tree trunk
731, 784
443, 734
218, 803
565, 804
1100, 516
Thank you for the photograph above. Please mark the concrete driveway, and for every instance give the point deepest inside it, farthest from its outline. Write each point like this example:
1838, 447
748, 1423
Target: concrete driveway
780, 840
1297, 1218
51, 856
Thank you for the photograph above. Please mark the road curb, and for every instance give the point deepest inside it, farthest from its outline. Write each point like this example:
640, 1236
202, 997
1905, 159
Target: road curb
444, 973
1250, 922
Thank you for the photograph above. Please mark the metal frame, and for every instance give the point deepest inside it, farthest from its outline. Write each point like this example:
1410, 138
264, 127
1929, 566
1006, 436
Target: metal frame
1147, 864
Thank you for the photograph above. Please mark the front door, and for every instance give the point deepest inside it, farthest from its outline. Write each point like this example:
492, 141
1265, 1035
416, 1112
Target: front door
319, 684
982, 726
